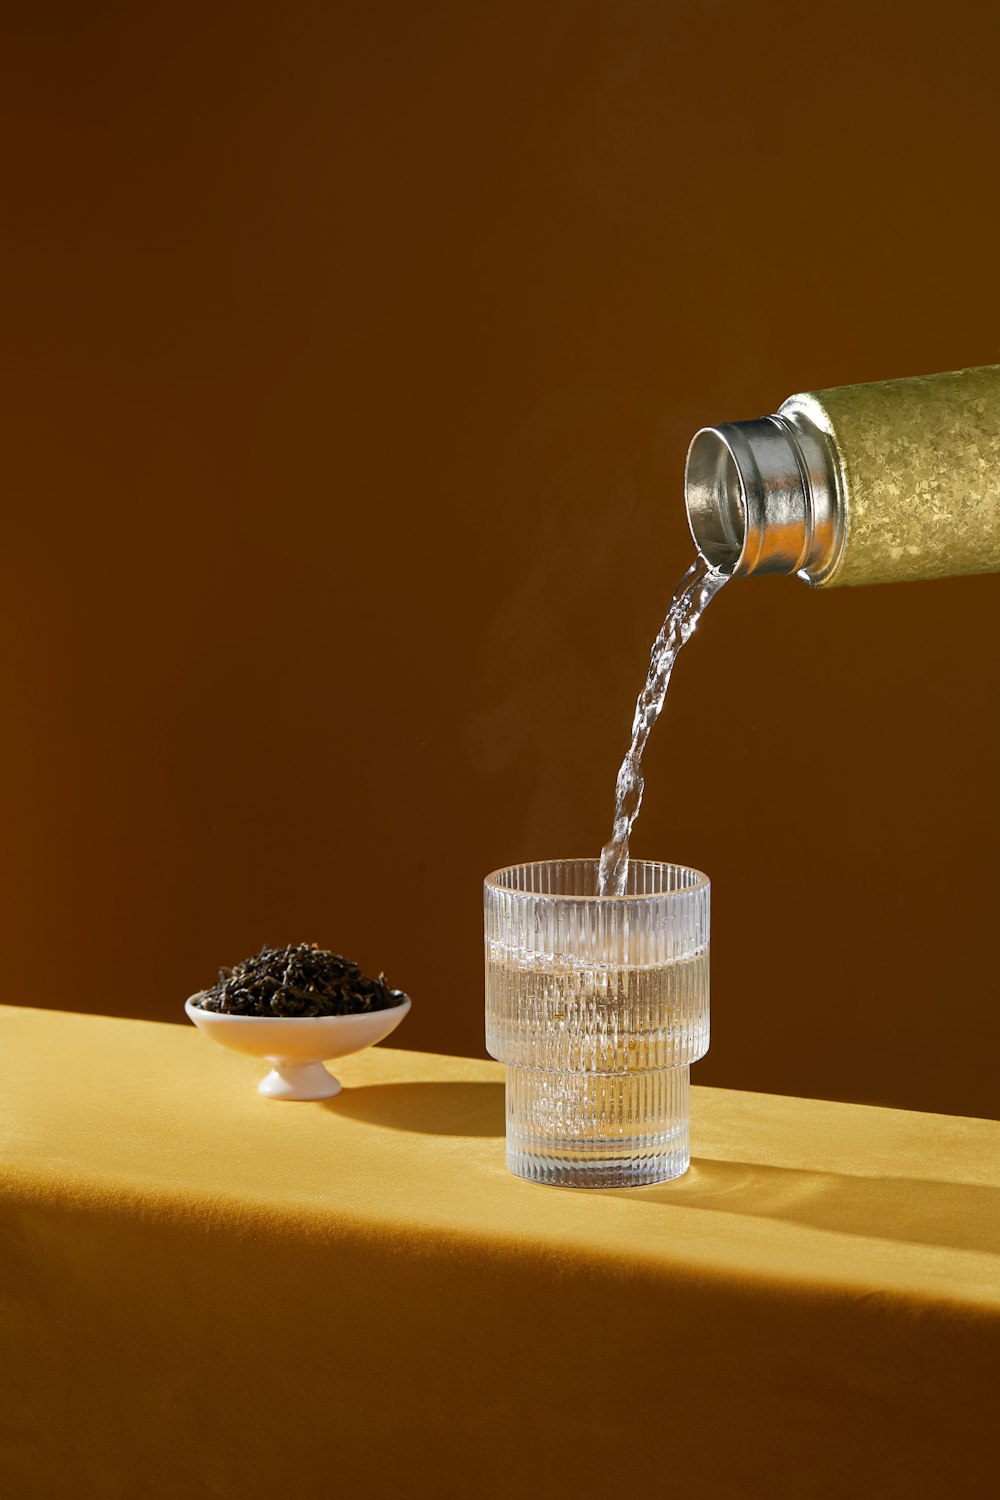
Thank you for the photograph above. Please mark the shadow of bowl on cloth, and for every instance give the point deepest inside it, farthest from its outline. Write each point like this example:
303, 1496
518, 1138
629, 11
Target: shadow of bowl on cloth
462, 1109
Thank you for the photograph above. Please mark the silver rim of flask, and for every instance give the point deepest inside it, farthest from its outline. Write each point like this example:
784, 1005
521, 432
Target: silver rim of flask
767, 496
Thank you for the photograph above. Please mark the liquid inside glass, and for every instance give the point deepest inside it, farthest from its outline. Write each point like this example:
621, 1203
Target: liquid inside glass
596, 1018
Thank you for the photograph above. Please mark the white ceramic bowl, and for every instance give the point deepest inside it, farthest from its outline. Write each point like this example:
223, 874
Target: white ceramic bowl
297, 1045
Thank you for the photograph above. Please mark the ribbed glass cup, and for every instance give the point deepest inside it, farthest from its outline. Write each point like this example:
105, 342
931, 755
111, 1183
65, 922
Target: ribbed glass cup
597, 1005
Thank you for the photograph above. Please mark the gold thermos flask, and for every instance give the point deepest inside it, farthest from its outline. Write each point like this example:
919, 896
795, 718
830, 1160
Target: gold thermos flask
860, 484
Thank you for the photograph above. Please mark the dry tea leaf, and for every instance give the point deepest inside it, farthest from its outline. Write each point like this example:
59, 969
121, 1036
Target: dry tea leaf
300, 980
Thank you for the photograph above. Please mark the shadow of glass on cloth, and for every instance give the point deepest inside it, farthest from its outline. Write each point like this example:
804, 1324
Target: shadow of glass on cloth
428, 1108
959, 1216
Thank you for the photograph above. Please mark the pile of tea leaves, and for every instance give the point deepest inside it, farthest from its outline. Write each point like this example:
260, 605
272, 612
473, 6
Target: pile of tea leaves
301, 980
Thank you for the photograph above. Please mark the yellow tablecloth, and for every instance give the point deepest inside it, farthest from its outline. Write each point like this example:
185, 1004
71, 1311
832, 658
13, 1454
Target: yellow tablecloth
206, 1293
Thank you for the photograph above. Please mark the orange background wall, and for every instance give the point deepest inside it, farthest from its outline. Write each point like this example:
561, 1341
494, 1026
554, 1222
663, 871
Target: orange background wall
351, 354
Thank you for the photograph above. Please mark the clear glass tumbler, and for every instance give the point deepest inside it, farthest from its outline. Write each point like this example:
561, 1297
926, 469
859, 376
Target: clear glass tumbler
597, 1005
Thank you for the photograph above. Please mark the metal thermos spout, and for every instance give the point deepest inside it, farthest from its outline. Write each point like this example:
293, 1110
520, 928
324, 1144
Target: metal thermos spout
859, 484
